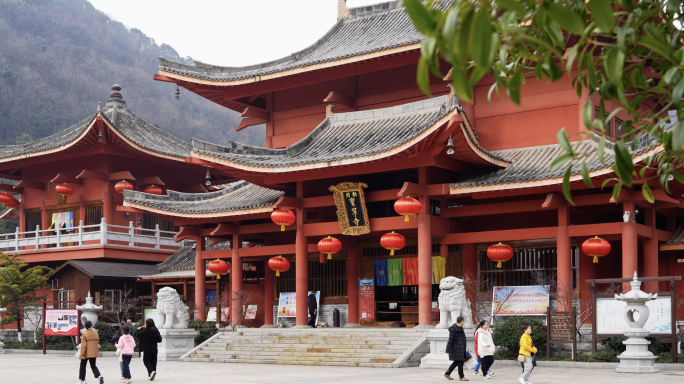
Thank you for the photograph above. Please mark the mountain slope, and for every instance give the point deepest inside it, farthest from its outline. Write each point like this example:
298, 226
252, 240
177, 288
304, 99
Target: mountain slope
58, 58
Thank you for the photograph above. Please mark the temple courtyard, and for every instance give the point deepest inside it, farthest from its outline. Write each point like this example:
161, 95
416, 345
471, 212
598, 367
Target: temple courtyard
30, 369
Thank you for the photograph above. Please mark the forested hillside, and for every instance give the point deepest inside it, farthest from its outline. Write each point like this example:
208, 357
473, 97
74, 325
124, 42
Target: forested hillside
58, 58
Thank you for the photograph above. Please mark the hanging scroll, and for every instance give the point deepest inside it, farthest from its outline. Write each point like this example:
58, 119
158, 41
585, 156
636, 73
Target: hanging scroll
351, 208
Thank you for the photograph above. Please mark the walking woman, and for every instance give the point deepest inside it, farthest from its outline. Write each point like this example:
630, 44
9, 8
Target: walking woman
89, 352
486, 349
477, 355
456, 348
127, 345
149, 336
526, 354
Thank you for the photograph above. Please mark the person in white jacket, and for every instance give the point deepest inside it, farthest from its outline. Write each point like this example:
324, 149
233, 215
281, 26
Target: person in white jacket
486, 349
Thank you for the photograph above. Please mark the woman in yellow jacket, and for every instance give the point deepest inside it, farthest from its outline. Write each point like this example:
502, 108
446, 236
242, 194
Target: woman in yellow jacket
527, 350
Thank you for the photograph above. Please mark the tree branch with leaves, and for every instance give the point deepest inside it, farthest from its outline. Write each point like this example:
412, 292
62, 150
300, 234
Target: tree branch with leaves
19, 286
624, 52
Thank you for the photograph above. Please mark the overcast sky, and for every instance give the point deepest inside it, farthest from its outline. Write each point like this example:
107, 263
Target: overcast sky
229, 32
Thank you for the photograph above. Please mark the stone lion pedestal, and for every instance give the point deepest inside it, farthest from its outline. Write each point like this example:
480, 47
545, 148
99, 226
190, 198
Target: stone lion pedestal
177, 338
437, 358
176, 343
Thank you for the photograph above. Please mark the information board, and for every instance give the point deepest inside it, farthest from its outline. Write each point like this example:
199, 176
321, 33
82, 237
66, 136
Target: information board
287, 304
251, 312
367, 299
610, 319
561, 327
530, 300
61, 322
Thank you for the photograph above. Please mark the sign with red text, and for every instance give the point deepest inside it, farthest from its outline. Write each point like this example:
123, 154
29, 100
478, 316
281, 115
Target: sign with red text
367, 299
61, 322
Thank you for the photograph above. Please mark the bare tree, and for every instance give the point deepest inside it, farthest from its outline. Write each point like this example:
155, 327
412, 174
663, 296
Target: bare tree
121, 307
481, 299
238, 308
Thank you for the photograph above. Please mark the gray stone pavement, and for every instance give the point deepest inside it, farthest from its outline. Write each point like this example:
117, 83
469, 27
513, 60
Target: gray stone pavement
52, 369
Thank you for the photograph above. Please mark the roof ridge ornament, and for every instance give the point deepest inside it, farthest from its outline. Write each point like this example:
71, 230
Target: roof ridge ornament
329, 111
342, 9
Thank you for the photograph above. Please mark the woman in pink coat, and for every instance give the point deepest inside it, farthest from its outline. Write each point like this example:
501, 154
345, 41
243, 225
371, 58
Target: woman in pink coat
127, 345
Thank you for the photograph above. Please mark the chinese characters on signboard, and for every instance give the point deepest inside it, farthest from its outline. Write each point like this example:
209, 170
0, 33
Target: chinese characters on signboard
610, 319
561, 327
524, 300
351, 208
61, 322
367, 299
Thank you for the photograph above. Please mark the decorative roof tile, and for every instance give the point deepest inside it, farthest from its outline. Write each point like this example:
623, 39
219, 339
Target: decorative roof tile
345, 136
366, 30
109, 269
184, 258
533, 164
237, 196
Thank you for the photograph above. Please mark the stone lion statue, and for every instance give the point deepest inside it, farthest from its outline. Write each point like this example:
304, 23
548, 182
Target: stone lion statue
173, 313
453, 303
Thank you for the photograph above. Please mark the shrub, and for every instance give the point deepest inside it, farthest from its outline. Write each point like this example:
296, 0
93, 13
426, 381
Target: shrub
106, 332
15, 344
206, 330
615, 344
507, 335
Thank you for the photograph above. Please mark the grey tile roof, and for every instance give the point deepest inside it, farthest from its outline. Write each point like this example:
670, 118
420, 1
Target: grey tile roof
533, 163
233, 197
132, 127
184, 258
107, 269
367, 29
678, 235
345, 136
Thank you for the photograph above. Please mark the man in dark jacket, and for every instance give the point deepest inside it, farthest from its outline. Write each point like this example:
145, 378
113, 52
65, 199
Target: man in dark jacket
456, 349
313, 308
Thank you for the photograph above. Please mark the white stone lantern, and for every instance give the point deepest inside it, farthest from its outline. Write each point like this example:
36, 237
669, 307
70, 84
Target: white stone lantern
637, 358
89, 311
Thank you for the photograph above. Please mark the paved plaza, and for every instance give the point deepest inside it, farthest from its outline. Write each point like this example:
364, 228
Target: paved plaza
39, 369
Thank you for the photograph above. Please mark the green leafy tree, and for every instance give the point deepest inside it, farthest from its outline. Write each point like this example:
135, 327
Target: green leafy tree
18, 286
623, 51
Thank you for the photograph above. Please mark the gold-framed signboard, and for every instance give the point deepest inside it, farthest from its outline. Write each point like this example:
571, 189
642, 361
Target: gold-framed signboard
351, 208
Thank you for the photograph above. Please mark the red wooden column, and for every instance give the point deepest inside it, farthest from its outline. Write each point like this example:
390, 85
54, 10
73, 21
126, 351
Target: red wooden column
107, 206
630, 260
470, 261
302, 265
424, 257
200, 279
22, 218
353, 284
564, 254
235, 273
651, 262
269, 293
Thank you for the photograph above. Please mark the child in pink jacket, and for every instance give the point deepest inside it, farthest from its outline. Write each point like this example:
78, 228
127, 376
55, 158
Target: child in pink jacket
127, 345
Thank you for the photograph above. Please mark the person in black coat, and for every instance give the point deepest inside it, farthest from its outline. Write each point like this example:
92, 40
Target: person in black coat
313, 308
149, 336
456, 349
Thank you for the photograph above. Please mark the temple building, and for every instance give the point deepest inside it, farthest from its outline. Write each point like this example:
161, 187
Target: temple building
67, 188
347, 110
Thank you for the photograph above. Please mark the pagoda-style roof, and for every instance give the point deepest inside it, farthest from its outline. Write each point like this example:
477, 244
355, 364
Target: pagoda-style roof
239, 198
125, 130
530, 167
349, 138
374, 30
184, 258
96, 269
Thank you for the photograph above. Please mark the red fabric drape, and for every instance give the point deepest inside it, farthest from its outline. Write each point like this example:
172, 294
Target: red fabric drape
410, 269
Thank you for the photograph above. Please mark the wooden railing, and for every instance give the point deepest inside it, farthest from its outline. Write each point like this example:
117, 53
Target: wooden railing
88, 235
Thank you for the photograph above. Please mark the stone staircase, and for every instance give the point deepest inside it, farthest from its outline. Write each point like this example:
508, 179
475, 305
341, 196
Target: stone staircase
353, 347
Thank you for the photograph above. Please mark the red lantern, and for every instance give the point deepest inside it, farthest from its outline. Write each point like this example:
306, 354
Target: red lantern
329, 245
393, 242
153, 190
407, 207
64, 189
123, 185
596, 247
219, 267
283, 217
6, 199
13, 204
499, 253
279, 264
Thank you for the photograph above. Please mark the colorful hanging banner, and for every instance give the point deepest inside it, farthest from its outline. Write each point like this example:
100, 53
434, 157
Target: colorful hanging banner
381, 272
410, 270
438, 268
366, 299
395, 275
61, 322
351, 208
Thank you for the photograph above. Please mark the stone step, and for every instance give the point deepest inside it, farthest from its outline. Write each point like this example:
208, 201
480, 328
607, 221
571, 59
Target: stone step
378, 359
308, 337
317, 340
304, 347
293, 362
317, 353
280, 349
